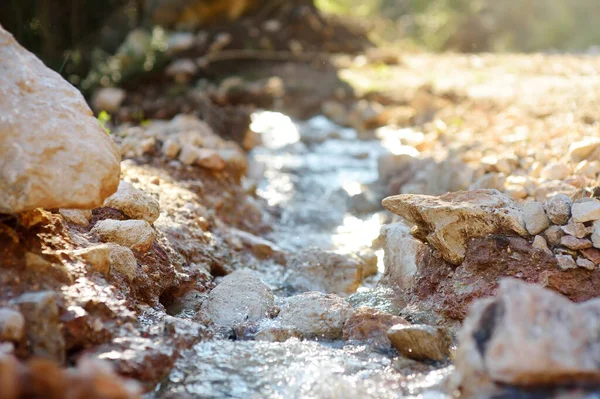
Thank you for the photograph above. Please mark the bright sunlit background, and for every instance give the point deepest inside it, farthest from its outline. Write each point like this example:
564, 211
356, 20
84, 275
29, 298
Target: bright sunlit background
77, 37
480, 25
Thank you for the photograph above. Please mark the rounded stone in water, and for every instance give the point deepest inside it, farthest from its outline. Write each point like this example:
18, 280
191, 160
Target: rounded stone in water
240, 297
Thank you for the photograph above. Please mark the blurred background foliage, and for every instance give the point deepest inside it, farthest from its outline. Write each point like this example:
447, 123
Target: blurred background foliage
102, 42
479, 25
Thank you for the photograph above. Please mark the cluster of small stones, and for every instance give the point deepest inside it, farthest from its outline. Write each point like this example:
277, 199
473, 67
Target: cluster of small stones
541, 178
245, 304
568, 230
186, 140
524, 171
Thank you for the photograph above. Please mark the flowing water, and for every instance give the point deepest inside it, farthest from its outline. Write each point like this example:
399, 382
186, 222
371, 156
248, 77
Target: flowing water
310, 170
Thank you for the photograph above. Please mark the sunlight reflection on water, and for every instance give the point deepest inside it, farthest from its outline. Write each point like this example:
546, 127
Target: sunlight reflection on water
311, 170
276, 129
295, 370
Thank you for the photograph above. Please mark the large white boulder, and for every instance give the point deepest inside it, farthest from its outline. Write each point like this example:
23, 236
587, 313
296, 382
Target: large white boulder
53, 152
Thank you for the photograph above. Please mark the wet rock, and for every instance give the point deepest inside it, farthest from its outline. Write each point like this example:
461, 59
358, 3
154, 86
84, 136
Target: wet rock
586, 210
242, 331
401, 254
42, 326
558, 208
583, 149
370, 325
146, 358
535, 217
76, 216
316, 315
553, 235
420, 342
329, 272
135, 234
314, 136
540, 243
47, 126
240, 297
565, 262
592, 254
452, 219
277, 334
134, 203
577, 230
382, 298
108, 99
575, 243
527, 335
12, 325
585, 263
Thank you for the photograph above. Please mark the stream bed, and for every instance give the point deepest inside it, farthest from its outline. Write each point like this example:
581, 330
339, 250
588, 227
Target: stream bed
310, 169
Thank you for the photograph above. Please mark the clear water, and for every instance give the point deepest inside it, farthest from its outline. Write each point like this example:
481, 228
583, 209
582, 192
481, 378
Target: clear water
310, 170
293, 370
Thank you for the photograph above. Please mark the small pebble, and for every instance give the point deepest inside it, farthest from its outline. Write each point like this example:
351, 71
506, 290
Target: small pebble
539, 242
575, 243
586, 210
553, 235
592, 254
565, 262
558, 208
585, 263
576, 230
535, 217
